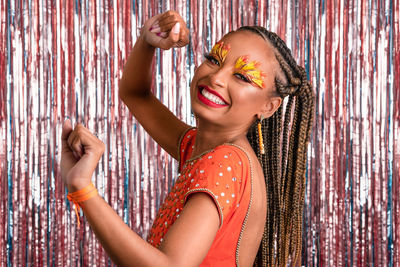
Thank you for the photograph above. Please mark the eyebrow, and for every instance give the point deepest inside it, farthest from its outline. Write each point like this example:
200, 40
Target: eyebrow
220, 50
251, 70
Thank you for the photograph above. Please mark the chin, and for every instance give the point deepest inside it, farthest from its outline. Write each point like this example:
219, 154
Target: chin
208, 117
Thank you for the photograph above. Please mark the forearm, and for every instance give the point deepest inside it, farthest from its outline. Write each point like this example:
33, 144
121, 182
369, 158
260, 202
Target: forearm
123, 246
137, 75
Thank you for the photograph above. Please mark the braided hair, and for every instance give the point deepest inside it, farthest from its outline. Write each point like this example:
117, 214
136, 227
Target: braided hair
286, 138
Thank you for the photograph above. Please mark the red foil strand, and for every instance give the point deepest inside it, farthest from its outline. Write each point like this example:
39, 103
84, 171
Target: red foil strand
63, 59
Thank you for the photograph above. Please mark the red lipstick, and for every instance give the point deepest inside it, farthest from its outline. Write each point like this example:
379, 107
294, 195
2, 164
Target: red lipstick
206, 101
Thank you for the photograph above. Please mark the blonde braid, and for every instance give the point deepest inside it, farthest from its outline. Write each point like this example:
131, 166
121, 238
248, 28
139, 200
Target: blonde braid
284, 163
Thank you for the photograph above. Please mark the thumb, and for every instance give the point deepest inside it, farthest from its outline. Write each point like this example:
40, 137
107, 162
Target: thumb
66, 130
176, 29
173, 37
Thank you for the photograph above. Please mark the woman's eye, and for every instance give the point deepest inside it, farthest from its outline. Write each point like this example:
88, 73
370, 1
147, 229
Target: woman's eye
242, 77
212, 59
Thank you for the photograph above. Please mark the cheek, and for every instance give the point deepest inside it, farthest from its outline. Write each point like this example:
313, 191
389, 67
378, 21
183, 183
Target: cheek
199, 71
198, 74
250, 98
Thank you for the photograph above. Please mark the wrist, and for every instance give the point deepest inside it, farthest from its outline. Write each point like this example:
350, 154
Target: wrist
80, 196
144, 44
76, 186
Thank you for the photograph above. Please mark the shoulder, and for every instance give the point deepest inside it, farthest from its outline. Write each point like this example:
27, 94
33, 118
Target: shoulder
231, 157
226, 159
223, 173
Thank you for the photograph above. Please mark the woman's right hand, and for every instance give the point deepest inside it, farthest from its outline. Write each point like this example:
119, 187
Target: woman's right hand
81, 151
166, 30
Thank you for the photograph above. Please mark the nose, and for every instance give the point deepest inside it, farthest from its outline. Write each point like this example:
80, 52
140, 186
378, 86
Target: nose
218, 78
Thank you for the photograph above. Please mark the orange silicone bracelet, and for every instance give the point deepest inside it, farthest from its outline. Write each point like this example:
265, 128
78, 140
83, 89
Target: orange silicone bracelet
81, 196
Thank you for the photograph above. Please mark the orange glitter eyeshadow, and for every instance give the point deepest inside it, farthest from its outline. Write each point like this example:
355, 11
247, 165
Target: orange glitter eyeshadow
220, 51
250, 70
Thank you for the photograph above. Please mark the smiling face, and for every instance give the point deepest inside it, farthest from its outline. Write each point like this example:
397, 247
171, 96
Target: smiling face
236, 82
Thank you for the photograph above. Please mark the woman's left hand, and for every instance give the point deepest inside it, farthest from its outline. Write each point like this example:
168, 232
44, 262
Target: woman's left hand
166, 30
81, 151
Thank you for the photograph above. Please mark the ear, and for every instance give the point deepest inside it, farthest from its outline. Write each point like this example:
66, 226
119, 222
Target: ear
271, 106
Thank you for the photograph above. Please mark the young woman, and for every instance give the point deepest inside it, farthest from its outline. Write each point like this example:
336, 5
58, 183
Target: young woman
239, 195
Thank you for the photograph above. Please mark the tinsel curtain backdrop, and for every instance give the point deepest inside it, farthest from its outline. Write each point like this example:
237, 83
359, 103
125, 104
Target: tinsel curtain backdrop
65, 58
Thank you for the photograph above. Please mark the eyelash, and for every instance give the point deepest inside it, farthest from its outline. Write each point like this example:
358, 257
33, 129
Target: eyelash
243, 77
213, 60
210, 58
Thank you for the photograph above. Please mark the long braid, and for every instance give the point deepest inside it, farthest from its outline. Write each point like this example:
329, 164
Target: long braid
284, 163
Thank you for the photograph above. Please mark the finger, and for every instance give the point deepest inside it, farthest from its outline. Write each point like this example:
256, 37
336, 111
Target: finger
162, 34
169, 17
147, 25
172, 39
174, 34
165, 27
75, 144
87, 137
183, 37
66, 129
77, 157
65, 133
91, 147
69, 146
89, 143
155, 23
155, 30
155, 27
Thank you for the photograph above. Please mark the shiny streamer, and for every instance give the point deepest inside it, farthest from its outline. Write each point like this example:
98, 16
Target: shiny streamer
63, 59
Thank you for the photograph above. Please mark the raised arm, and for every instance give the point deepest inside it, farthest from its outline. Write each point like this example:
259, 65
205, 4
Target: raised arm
164, 31
187, 241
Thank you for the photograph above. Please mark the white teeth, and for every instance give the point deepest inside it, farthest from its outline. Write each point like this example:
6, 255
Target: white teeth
212, 97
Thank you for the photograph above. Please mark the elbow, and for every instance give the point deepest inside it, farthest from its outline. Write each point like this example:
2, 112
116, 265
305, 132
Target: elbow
122, 91
127, 94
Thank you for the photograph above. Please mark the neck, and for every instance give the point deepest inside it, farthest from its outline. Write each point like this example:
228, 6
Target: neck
210, 137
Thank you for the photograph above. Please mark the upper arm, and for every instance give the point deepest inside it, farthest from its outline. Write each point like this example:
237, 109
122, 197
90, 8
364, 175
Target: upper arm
188, 240
159, 122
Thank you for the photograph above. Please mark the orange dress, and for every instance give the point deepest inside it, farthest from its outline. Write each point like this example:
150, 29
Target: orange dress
224, 174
